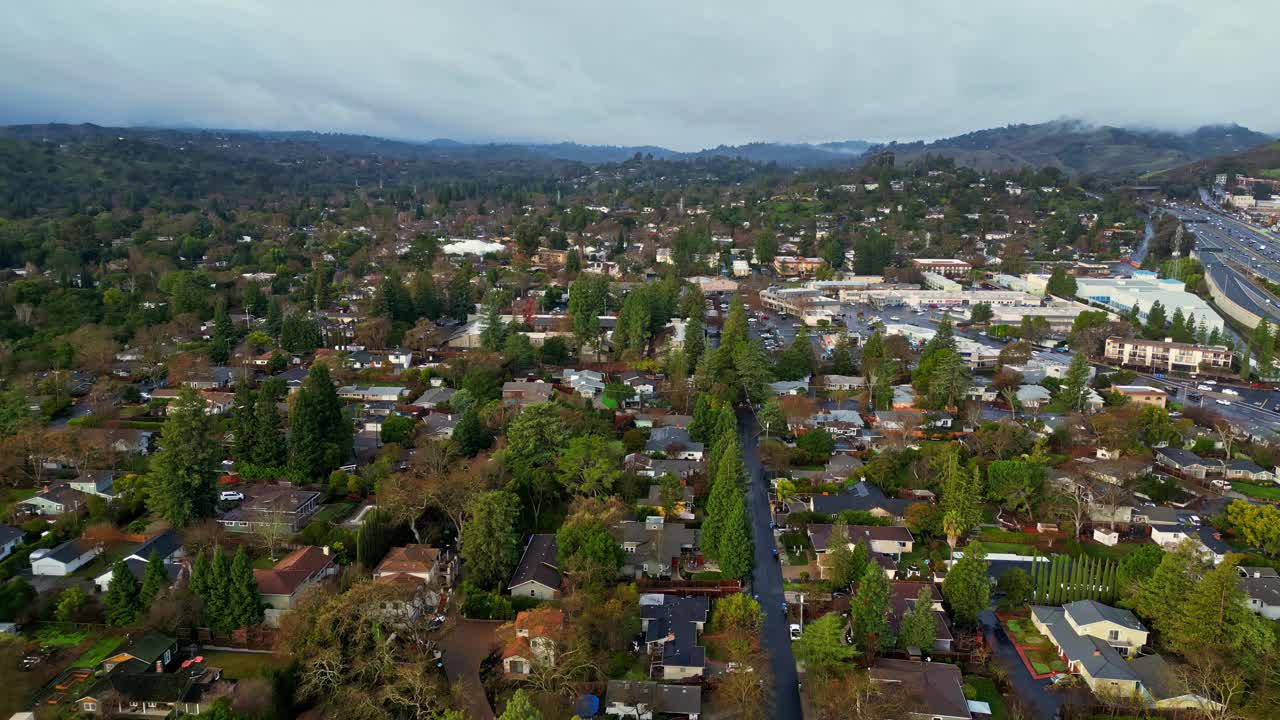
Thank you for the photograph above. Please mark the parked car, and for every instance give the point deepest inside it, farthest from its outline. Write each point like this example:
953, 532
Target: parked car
229, 495
795, 631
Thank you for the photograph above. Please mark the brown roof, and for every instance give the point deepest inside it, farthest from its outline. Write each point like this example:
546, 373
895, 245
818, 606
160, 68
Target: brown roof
409, 559
543, 622
928, 688
293, 571
821, 534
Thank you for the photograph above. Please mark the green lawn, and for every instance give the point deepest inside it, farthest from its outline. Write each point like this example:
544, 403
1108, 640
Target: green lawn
100, 651
1040, 652
1097, 550
987, 693
334, 513
54, 636
996, 535
1260, 492
10, 496
1006, 547
241, 666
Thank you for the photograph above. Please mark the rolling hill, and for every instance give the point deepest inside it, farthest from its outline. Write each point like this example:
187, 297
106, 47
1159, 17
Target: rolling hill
1260, 161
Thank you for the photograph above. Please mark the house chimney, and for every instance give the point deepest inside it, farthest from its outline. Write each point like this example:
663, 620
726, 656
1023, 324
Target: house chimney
159, 666
1097, 653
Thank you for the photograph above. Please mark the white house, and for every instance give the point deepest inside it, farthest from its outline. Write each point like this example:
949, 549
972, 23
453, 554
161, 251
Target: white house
64, 559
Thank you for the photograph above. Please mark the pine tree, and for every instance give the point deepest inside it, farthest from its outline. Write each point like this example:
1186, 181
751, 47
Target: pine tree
155, 580
720, 503
869, 608
319, 432
122, 600
270, 448
244, 608
243, 428
918, 627
181, 483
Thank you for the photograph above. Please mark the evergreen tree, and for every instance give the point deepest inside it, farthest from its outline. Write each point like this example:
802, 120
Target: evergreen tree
243, 423
695, 338
1061, 284
736, 546
270, 449
244, 608
868, 611
154, 581
700, 422
198, 581
1075, 384
967, 587
469, 435
1156, 321
320, 437
520, 707
217, 597
275, 317
1160, 598
842, 358
123, 601
181, 483
918, 627
725, 492
846, 564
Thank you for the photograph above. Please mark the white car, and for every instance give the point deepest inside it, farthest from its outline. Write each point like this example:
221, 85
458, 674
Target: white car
1229, 391
795, 631
1224, 402
230, 495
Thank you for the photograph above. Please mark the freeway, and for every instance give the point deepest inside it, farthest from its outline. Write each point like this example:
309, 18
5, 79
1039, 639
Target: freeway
1251, 410
1227, 257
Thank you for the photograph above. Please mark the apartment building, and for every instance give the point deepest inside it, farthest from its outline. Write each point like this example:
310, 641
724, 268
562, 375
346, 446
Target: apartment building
1166, 356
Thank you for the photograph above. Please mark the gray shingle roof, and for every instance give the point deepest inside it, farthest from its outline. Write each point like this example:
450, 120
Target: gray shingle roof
1096, 656
538, 563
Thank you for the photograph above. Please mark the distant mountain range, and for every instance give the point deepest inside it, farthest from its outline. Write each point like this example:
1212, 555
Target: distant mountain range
1079, 148
1076, 147
1261, 161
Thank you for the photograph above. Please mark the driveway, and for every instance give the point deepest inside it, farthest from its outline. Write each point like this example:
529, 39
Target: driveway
766, 580
465, 646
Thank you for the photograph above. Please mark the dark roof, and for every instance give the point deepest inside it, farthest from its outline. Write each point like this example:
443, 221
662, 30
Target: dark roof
150, 647
67, 551
1244, 465
163, 545
821, 534
931, 688
538, 564
1158, 677
860, 496
673, 620
1184, 458
662, 698
9, 533
139, 569
1099, 658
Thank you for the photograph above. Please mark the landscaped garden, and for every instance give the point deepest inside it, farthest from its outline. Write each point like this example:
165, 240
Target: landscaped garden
1036, 648
985, 691
98, 652
1257, 491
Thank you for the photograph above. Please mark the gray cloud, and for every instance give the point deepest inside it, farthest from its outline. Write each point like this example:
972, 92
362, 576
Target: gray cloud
682, 74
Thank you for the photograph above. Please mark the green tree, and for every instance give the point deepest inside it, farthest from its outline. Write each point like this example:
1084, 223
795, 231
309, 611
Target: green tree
244, 607
588, 300
736, 546
70, 602
1015, 484
1156, 321
490, 544
181, 482
821, 647
520, 707
198, 581
469, 435
981, 313
1075, 384
217, 597
320, 437
1160, 598
819, 444
695, 338
1061, 284
869, 609
725, 492
966, 586
270, 448
155, 580
1216, 614
1016, 586
842, 358
244, 432
123, 599
771, 418
590, 465
589, 554
919, 625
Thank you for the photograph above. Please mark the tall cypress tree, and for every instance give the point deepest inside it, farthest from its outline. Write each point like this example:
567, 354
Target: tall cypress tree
155, 580
217, 598
181, 483
269, 447
319, 432
198, 582
122, 600
244, 608
243, 424
736, 546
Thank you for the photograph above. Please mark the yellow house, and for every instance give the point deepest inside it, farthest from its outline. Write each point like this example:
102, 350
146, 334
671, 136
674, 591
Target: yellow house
1095, 639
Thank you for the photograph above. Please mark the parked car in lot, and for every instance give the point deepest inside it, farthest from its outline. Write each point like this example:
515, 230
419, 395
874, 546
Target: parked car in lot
230, 495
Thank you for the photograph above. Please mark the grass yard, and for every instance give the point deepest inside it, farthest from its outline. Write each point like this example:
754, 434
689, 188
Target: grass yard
100, 651
10, 496
334, 513
242, 666
1098, 550
987, 693
1258, 492
54, 636
1006, 547
996, 535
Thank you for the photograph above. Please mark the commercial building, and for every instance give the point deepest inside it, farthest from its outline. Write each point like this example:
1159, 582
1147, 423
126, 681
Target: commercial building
1142, 394
791, 265
1143, 291
891, 297
943, 266
809, 305
934, 281
1060, 315
1034, 283
1166, 356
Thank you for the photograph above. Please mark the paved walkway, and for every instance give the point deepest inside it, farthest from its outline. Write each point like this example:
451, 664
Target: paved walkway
465, 646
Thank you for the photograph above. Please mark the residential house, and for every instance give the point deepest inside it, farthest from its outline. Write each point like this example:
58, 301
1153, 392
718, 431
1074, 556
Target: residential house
673, 442
1206, 539
10, 538
672, 626
95, 482
440, 425
839, 423
843, 383
654, 547
64, 559
587, 383
904, 396
283, 584
929, 691
682, 508
1164, 689
282, 506
1184, 463
536, 640
1032, 397
55, 500
644, 385
1242, 469
1095, 639
858, 496
903, 597
885, 544
1262, 586
432, 566
139, 683
1142, 394
521, 393
384, 393
649, 467
434, 398
646, 700
166, 546
538, 573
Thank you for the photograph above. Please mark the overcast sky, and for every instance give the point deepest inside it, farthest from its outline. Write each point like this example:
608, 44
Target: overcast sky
686, 75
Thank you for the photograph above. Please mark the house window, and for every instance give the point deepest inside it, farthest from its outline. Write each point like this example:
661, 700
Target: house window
91, 707
530, 593
1113, 635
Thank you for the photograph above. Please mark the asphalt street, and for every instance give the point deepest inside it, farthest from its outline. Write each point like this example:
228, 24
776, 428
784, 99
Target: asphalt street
766, 579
